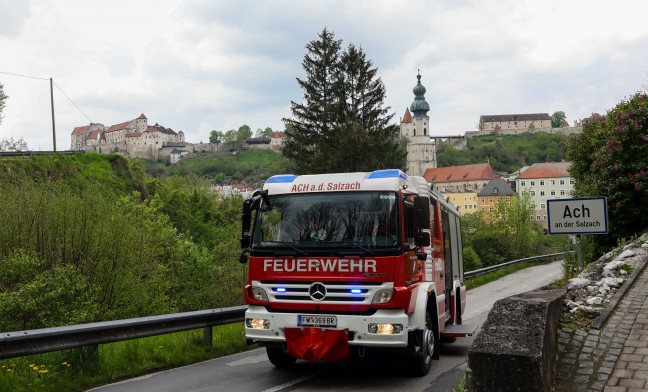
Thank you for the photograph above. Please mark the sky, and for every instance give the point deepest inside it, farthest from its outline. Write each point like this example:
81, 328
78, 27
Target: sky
202, 65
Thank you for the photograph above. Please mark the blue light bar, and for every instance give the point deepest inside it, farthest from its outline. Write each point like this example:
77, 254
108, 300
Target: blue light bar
388, 173
281, 289
356, 291
281, 178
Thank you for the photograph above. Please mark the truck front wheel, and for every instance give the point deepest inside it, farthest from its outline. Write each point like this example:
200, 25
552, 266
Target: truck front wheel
428, 342
279, 358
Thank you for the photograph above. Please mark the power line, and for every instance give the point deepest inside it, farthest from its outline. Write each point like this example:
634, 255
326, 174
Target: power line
57, 86
66, 96
23, 76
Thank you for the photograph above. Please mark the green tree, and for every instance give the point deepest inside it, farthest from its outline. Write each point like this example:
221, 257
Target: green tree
267, 132
342, 124
610, 158
557, 119
230, 140
3, 98
216, 137
505, 234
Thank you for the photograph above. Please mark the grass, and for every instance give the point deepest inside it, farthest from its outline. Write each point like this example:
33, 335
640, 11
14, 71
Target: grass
481, 280
75, 370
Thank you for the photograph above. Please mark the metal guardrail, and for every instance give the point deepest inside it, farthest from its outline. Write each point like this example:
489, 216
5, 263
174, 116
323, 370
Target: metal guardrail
37, 341
481, 271
38, 153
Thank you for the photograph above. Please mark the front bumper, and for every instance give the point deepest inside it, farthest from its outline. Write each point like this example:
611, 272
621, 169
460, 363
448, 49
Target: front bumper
358, 327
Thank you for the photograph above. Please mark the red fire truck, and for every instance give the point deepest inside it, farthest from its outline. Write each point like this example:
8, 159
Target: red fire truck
344, 263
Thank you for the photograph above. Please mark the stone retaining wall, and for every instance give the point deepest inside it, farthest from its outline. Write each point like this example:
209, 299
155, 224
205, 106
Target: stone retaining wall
516, 347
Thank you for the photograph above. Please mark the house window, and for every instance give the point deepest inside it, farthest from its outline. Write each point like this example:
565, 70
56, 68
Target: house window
508, 199
562, 192
542, 182
522, 183
532, 183
490, 209
553, 182
483, 200
553, 193
572, 181
542, 193
562, 182
532, 217
490, 200
532, 193
537, 217
542, 206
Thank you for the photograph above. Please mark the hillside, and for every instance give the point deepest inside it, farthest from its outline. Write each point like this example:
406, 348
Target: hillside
506, 153
92, 237
250, 167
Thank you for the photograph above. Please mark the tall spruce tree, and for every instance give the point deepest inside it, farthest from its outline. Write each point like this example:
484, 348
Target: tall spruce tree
342, 124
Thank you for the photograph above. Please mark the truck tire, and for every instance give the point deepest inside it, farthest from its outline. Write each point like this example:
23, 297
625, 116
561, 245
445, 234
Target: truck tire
421, 361
279, 358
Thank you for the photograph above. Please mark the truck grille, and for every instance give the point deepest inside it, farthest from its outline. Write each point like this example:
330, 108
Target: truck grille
322, 292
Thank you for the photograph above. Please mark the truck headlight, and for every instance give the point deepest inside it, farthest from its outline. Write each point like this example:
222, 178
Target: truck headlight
257, 323
382, 296
258, 293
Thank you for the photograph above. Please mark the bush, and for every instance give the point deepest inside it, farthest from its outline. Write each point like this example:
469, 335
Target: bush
471, 259
610, 159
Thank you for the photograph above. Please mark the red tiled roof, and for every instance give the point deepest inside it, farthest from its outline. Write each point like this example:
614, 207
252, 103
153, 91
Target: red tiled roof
134, 134
93, 135
546, 170
80, 130
118, 127
474, 172
276, 135
407, 117
142, 116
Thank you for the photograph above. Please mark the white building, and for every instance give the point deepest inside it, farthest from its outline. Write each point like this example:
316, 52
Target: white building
545, 181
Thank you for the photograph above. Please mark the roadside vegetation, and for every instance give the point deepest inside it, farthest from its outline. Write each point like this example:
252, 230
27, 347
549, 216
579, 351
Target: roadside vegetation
92, 238
76, 370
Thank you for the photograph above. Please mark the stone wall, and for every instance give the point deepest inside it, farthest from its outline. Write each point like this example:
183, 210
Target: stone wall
516, 347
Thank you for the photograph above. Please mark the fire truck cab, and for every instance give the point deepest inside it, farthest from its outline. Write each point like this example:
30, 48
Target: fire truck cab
344, 263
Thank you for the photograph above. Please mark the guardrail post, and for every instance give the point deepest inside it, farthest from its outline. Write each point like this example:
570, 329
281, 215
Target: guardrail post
91, 354
207, 336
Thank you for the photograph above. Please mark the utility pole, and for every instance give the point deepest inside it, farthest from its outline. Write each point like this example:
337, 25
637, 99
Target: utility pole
53, 124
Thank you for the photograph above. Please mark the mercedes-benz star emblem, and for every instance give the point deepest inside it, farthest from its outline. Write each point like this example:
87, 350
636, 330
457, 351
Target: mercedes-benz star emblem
317, 291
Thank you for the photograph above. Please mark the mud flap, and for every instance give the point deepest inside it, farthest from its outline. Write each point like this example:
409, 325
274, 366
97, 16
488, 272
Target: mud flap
318, 344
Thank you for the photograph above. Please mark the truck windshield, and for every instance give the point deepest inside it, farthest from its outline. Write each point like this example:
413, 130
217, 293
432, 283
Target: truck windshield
357, 220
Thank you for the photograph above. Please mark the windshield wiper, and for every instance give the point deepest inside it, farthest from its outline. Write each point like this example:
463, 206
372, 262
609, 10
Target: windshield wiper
358, 246
293, 247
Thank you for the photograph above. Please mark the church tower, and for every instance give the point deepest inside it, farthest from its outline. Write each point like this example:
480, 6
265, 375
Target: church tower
415, 125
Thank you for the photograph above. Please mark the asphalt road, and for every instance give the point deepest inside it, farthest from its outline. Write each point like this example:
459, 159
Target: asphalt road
251, 371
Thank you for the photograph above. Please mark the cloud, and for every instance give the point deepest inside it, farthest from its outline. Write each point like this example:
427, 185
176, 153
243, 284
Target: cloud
202, 65
13, 15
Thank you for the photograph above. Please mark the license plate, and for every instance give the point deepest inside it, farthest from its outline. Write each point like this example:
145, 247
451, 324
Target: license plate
311, 320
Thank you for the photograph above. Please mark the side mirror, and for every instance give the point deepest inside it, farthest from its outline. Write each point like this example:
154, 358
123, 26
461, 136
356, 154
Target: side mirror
246, 217
243, 259
422, 213
422, 239
245, 241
